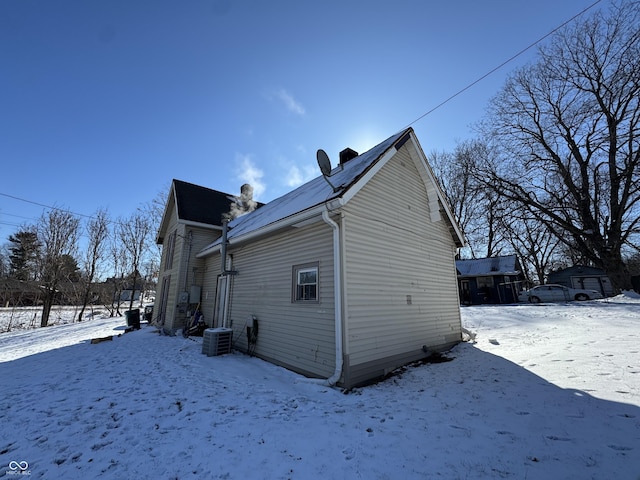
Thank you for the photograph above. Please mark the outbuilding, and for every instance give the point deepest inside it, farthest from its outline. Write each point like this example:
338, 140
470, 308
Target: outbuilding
580, 276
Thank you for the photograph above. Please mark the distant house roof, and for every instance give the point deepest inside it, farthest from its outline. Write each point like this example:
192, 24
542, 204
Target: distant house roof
577, 270
318, 192
503, 265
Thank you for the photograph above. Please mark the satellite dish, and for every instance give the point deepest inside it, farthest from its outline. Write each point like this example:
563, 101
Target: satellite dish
325, 167
324, 163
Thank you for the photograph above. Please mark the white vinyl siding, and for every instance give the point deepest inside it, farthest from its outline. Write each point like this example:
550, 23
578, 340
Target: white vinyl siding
191, 272
209, 285
301, 335
182, 243
168, 244
168, 270
400, 280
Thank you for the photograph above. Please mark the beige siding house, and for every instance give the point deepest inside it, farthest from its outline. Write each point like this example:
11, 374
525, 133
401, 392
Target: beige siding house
192, 219
345, 279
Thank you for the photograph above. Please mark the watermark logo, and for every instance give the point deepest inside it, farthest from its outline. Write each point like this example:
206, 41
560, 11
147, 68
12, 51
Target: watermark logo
18, 468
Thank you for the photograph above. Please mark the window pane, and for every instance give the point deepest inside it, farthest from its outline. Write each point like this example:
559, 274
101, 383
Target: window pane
306, 292
307, 276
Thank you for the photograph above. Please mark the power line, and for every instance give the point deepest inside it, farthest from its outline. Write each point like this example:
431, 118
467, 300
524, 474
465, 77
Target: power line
447, 100
91, 217
43, 205
17, 216
9, 224
502, 64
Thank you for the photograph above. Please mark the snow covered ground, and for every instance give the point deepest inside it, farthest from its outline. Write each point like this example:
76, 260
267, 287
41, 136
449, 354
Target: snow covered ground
545, 392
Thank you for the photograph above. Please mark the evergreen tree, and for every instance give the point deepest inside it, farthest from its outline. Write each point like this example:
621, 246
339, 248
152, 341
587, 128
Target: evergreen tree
23, 255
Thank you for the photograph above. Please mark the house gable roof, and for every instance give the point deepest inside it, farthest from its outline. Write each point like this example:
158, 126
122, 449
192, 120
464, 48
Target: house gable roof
199, 204
195, 204
503, 265
346, 178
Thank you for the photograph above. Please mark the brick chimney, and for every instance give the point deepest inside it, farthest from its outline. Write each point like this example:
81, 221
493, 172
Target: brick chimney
346, 155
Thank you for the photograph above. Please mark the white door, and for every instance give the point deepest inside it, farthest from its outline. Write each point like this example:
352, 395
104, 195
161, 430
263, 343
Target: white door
222, 301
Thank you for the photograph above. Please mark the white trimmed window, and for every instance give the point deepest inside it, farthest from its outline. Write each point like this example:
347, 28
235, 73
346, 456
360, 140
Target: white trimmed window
305, 283
171, 246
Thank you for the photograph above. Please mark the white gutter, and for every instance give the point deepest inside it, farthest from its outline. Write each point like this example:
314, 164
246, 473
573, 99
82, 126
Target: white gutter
337, 289
272, 227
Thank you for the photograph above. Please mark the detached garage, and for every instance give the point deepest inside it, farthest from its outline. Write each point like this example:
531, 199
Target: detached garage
578, 276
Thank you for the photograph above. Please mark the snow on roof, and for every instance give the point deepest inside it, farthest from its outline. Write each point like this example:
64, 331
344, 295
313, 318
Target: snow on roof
504, 265
311, 194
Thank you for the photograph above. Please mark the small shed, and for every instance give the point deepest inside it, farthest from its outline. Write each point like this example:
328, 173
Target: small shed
580, 276
489, 280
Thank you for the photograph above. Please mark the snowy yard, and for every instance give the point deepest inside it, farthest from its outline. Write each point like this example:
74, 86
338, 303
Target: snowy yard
546, 392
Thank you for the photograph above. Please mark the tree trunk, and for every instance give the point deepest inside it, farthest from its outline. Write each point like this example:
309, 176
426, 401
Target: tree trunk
133, 291
46, 308
616, 270
85, 301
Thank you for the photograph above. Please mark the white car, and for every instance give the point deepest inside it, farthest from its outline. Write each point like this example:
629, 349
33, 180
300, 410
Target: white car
557, 293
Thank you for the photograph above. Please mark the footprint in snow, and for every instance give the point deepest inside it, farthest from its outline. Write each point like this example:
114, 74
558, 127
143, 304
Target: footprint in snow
620, 448
349, 453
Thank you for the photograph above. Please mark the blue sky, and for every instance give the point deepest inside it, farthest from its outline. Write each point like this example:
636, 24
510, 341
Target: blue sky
102, 103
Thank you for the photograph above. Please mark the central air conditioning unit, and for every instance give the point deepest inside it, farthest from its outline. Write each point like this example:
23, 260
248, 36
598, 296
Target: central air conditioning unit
217, 341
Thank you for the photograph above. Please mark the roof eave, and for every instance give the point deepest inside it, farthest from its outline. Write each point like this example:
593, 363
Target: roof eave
163, 222
290, 221
207, 226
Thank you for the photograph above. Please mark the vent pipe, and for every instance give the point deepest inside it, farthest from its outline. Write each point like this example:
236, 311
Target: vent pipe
223, 247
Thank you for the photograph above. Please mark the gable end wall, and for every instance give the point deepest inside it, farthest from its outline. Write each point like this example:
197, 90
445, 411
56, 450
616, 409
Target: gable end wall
400, 279
186, 270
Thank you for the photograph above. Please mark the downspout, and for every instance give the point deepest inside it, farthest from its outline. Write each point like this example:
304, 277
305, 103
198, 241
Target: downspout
223, 271
223, 247
337, 288
186, 273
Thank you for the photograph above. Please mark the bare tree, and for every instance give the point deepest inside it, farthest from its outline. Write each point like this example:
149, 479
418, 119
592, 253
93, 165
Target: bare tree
118, 262
98, 232
569, 129
475, 207
531, 241
4, 261
135, 236
154, 210
58, 234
